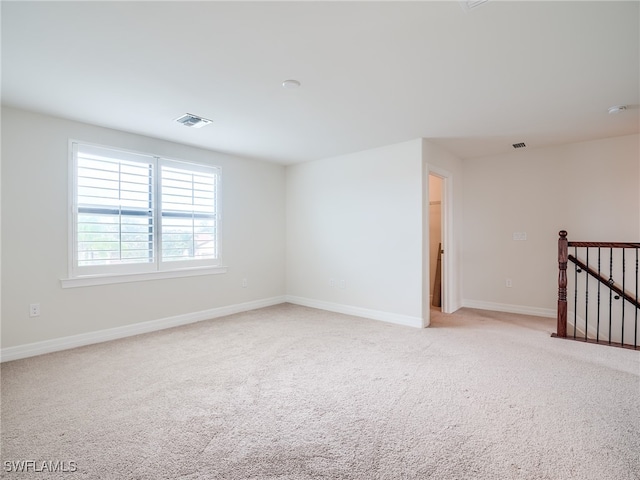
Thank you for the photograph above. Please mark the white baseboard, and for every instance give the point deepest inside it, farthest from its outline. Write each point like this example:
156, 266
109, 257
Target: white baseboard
64, 343
357, 311
503, 307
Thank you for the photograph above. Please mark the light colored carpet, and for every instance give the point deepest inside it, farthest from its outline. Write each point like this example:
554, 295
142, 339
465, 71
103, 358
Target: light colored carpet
289, 392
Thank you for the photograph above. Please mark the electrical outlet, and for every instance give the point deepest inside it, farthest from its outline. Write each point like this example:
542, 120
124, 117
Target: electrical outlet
332, 282
244, 283
508, 283
343, 284
34, 310
520, 236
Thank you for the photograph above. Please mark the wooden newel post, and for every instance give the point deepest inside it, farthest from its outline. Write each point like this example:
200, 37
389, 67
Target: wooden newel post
563, 252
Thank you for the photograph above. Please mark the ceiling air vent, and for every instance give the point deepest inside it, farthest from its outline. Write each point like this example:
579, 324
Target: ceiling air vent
519, 145
189, 120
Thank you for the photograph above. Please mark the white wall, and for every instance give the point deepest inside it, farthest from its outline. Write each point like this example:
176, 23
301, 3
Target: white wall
590, 189
358, 218
35, 164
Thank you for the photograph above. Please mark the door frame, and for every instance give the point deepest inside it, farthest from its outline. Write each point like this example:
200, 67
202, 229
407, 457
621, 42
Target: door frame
448, 257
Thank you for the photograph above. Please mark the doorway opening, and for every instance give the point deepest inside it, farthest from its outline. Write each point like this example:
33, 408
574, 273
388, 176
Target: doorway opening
436, 270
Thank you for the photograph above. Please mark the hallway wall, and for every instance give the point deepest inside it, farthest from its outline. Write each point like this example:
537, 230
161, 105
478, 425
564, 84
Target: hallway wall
590, 189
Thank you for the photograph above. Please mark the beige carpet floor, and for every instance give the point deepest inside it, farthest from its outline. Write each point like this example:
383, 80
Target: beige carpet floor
289, 392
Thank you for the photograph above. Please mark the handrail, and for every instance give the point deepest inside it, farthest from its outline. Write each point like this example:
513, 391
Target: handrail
604, 244
606, 282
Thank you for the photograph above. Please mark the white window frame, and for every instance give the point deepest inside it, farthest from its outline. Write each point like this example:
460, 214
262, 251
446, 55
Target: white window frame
120, 273
193, 167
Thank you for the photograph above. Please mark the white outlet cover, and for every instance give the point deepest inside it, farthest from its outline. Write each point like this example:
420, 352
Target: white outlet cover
519, 236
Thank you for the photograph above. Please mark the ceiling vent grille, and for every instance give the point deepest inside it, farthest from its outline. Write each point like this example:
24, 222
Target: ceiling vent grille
519, 145
190, 120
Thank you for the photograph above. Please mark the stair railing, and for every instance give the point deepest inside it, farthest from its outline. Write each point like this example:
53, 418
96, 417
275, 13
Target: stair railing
616, 321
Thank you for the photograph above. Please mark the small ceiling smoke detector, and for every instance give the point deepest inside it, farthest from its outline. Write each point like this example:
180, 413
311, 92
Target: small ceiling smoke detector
190, 120
519, 145
617, 108
291, 84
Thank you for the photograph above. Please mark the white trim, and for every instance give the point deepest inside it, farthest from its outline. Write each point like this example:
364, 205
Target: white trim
503, 307
93, 280
426, 248
72, 241
65, 343
449, 258
389, 317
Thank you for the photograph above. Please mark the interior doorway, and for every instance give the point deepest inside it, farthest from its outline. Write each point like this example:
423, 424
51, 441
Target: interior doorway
436, 270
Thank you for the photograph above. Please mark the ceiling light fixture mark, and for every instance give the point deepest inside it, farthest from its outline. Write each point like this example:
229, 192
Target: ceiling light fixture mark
289, 84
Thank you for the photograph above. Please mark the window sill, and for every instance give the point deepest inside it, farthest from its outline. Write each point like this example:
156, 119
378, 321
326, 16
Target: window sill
91, 280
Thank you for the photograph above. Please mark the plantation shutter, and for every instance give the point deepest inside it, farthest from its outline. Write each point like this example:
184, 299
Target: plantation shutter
114, 208
188, 204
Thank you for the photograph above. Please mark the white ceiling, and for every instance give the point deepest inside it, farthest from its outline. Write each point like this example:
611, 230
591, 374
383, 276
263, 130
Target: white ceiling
372, 73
